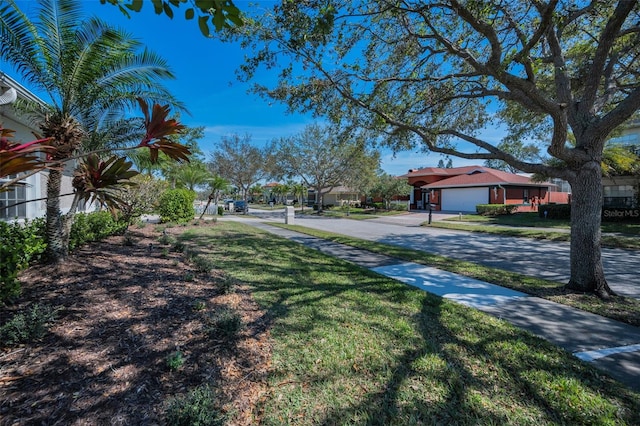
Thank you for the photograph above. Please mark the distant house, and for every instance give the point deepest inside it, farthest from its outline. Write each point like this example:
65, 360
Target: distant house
624, 191
461, 189
336, 196
15, 204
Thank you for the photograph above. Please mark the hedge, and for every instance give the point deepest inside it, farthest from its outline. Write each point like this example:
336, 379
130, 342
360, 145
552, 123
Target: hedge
555, 211
495, 209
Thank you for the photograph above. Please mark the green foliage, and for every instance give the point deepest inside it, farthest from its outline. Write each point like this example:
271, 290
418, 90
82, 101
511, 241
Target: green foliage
618, 160
200, 407
224, 323
166, 239
95, 226
202, 264
239, 162
220, 210
27, 326
495, 209
325, 157
175, 360
387, 187
227, 284
102, 180
140, 198
199, 305
555, 211
20, 245
176, 205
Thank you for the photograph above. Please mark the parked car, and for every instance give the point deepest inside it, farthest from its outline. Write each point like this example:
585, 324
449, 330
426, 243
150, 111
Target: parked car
239, 206
227, 203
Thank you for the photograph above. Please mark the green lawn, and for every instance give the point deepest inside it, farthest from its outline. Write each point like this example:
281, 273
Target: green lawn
353, 213
532, 219
353, 347
620, 235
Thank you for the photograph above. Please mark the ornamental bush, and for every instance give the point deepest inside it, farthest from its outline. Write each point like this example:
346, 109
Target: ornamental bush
176, 205
20, 245
95, 226
495, 209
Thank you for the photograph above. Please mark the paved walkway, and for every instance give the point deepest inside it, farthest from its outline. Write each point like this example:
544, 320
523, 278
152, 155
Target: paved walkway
609, 345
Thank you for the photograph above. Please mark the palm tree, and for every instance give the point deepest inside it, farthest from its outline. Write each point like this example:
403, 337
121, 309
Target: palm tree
190, 175
217, 184
92, 74
299, 191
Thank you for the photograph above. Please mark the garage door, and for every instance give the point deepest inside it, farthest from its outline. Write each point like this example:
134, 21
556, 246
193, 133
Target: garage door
464, 199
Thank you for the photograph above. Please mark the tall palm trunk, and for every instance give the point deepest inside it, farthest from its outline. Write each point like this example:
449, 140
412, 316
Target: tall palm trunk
57, 244
67, 135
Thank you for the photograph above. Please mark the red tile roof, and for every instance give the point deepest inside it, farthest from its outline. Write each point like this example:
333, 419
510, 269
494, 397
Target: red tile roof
437, 171
484, 176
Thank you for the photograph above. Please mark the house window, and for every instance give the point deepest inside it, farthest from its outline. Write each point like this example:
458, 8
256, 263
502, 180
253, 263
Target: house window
8, 199
525, 195
619, 195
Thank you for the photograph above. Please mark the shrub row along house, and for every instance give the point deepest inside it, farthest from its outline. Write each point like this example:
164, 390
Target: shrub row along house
463, 188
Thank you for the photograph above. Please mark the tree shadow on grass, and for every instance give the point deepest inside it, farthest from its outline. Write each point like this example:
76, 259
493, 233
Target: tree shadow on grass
482, 370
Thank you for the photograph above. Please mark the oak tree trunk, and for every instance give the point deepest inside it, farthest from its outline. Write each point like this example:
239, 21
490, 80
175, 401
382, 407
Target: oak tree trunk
587, 273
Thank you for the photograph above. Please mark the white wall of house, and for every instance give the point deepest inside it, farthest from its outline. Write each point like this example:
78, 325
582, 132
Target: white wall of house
33, 187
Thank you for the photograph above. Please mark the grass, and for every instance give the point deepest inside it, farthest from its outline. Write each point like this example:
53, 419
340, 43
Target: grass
619, 235
622, 309
353, 347
353, 213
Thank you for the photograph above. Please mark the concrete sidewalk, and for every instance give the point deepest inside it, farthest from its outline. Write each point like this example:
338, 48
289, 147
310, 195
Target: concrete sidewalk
609, 345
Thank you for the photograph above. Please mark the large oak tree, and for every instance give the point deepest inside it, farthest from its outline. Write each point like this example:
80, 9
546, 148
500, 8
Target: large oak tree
436, 73
240, 162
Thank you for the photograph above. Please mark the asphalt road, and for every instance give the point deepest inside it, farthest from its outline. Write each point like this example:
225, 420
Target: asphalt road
538, 258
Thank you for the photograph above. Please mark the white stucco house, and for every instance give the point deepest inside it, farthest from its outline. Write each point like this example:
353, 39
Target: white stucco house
18, 203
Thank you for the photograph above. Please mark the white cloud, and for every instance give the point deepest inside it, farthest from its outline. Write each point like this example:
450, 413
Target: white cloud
260, 135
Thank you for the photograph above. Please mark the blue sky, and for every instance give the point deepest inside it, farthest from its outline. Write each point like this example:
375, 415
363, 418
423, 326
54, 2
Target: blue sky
206, 83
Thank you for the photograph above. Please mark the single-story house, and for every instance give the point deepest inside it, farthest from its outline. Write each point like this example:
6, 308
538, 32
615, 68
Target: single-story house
15, 203
336, 196
461, 189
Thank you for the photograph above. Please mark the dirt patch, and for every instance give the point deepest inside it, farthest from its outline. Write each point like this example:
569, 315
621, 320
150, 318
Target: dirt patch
122, 311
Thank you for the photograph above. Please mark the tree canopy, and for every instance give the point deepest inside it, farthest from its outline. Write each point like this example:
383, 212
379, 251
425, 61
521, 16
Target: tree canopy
240, 162
216, 14
436, 74
324, 157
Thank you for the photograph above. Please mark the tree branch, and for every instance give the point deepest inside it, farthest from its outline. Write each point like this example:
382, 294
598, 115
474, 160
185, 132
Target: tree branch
605, 43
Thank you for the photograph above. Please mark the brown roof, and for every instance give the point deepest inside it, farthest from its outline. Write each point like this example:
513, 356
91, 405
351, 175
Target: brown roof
484, 176
438, 171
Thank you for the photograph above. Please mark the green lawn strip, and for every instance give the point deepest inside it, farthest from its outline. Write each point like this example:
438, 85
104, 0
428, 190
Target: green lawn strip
614, 241
528, 219
627, 231
354, 347
504, 230
354, 213
624, 309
